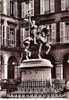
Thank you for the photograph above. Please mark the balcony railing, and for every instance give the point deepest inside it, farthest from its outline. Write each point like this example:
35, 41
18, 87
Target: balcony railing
8, 43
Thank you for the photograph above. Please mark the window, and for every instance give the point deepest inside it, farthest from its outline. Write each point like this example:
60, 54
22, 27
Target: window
24, 34
11, 36
47, 6
64, 32
67, 4
52, 33
64, 5
12, 8
27, 8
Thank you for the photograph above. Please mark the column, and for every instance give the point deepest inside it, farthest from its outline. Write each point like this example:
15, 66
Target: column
59, 71
5, 33
5, 67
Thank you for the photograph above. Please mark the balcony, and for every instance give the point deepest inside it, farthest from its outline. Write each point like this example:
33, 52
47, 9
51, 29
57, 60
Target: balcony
9, 45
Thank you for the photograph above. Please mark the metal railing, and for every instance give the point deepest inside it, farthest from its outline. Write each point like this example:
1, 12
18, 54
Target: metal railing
39, 89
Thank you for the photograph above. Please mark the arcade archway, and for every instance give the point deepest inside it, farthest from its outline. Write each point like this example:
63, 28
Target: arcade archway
53, 71
1, 67
12, 67
66, 67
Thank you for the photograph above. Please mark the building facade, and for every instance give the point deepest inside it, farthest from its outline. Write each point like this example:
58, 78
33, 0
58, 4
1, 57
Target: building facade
13, 30
9, 37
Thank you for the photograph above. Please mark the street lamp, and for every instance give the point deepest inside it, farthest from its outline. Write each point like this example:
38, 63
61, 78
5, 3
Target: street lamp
13, 63
68, 61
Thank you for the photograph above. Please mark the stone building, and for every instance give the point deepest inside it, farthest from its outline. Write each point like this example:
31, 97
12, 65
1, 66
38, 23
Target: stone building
9, 39
13, 30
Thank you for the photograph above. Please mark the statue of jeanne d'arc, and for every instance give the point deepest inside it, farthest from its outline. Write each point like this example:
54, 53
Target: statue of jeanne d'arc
41, 38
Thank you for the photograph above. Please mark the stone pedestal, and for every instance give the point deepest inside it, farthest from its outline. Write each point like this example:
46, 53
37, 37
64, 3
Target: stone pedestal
35, 69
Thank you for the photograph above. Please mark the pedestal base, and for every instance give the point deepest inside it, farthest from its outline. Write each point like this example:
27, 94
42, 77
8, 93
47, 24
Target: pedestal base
36, 69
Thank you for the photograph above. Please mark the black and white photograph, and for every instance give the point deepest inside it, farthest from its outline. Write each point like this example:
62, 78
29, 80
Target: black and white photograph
34, 49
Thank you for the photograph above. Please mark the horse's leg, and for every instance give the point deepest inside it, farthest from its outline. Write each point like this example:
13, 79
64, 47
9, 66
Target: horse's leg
49, 47
27, 55
40, 48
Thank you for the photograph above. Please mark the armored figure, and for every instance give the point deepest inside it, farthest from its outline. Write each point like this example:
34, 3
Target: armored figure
27, 46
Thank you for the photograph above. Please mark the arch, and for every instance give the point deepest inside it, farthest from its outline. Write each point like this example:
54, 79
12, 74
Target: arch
1, 67
12, 67
66, 66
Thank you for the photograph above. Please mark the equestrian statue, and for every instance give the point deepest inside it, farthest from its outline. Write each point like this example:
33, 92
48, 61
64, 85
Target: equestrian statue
37, 37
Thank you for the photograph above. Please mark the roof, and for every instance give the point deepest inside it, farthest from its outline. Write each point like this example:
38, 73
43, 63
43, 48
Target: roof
35, 63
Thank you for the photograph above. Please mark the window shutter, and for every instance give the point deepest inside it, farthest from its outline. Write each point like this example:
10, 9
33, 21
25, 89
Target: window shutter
62, 31
24, 34
63, 5
53, 32
52, 6
5, 3
21, 35
67, 4
0, 34
1, 6
22, 9
32, 7
8, 7
46, 3
0, 29
15, 9
26, 8
8, 35
42, 8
